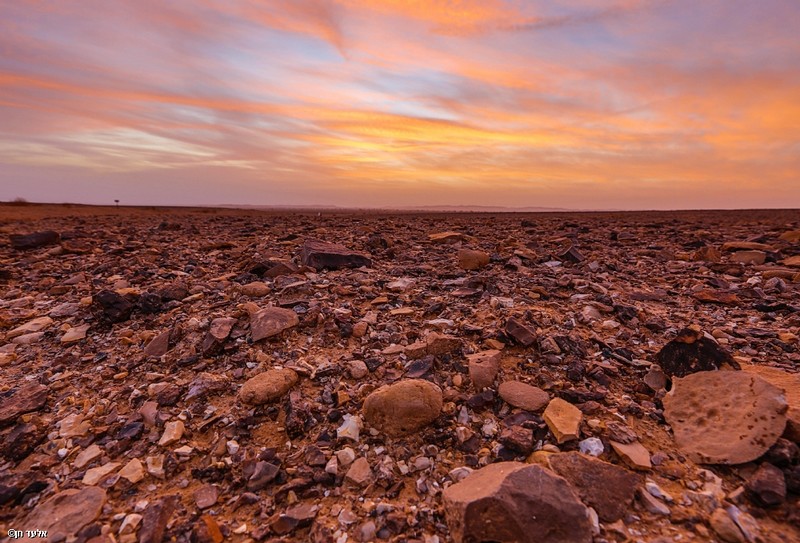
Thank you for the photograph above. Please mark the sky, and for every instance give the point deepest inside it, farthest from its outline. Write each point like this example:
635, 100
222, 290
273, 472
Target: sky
581, 104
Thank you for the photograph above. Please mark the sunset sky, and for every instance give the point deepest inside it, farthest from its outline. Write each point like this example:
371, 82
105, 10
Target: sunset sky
584, 104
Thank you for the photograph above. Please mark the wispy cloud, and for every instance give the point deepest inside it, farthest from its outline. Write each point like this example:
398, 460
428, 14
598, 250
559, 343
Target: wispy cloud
547, 102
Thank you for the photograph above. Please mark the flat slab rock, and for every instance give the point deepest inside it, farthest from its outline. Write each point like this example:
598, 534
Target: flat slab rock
321, 254
725, 417
272, 321
790, 384
67, 512
29, 397
512, 502
403, 407
523, 395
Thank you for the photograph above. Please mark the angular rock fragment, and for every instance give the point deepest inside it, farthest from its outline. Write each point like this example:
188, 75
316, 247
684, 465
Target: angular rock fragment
22, 242
27, 398
725, 417
30, 327
563, 419
272, 321
112, 306
75, 334
691, 352
268, 387
523, 395
510, 502
155, 519
609, 489
483, 368
403, 407
716, 297
320, 254
767, 486
521, 333
159, 345
633, 454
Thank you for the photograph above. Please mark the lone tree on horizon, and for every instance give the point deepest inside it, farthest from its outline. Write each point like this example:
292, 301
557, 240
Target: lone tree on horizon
116, 202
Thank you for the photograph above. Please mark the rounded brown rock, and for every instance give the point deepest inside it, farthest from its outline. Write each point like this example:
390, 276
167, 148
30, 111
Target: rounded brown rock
267, 387
403, 407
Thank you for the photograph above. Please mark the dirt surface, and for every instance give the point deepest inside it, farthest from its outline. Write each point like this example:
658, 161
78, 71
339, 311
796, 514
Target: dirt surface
126, 336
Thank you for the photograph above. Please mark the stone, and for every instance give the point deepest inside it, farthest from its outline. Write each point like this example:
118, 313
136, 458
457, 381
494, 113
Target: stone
607, 488
173, 431
767, 486
523, 395
571, 254
320, 254
403, 407
511, 502
472, 260
130, 524
724, 526
633, 454
746, 246
656, 379
263, 474
22, 242
563, 419
155, 519
715, 297
483, 368
707, 254
29, 397
652, 504
100, 473
272, 321
725, 417
30, 327
87, 455
519, 332
357, 369
437, 344
593, 446
691, 352
133, 471
155, 466
73, 426
67, 512
159, 345
206, 496
113, 307
256, 289
75, 334
360, 474
749, 257
268, 387
790, 384
440, 238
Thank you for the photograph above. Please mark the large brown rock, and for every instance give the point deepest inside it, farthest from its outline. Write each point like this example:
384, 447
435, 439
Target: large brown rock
67, 512
320, 254
725, 417
403, 407
790, 384
29, 397
511, 502
609, 489
272, 321
520, 332
267, 387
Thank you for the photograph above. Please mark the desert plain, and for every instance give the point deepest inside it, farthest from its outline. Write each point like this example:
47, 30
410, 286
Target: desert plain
207, 375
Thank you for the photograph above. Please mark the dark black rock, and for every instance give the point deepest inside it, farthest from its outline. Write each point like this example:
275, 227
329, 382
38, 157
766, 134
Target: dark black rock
691, 352
21, 242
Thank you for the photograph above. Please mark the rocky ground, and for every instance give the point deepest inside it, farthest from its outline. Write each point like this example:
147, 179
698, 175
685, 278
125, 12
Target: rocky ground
222, 375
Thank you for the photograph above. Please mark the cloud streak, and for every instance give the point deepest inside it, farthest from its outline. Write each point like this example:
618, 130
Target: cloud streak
647, 103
